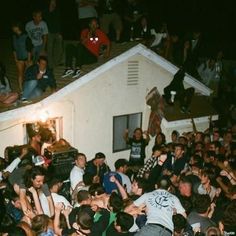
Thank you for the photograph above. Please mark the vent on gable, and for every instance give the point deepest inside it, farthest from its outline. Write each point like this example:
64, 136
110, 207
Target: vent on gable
133, 73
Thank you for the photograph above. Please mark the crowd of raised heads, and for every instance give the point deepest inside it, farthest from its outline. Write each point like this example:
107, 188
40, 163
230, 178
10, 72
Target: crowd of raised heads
186, 187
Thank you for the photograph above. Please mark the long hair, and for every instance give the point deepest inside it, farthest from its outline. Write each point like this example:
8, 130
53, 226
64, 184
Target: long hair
31, 174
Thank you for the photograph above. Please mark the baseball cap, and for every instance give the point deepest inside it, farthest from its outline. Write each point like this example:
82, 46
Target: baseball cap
40, 160
100, 155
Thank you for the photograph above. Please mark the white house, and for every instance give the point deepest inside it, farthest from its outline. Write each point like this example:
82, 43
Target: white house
93, 111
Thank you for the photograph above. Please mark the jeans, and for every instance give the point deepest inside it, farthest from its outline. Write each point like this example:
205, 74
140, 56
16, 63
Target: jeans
152, 230
30, 89
36, 52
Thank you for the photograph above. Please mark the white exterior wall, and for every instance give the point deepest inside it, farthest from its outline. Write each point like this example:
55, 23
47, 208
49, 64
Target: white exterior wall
11, 133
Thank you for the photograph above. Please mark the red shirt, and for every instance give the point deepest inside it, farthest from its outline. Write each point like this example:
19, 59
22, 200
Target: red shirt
93, 43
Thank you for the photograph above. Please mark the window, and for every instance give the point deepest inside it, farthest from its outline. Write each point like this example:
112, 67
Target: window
120, 124
54, 126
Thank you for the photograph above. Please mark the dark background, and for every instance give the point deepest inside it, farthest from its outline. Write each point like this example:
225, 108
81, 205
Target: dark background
215, 18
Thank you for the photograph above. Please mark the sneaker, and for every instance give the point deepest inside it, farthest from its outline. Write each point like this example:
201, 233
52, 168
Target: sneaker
25, 101
77, 73
67, 72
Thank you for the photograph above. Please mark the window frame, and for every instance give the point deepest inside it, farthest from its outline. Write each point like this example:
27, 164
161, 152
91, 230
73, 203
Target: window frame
58, 126
127, 147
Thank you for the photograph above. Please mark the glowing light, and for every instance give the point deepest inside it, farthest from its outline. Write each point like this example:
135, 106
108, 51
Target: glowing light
43, 115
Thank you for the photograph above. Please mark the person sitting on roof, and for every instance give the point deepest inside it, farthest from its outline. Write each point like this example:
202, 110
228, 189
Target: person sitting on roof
37, 78
176, 91
7, 97
87, 51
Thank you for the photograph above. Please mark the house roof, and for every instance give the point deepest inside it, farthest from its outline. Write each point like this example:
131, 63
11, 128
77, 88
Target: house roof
120, 53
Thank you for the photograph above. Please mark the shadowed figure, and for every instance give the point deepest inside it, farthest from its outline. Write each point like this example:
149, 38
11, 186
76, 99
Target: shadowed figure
176, 88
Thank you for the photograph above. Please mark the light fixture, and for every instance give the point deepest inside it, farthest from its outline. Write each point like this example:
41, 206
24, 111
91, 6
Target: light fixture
43, 115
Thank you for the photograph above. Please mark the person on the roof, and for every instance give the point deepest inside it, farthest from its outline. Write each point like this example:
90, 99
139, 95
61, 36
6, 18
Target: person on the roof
37, 78
87, 51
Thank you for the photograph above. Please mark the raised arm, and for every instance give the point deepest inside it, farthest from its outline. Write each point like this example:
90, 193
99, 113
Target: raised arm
147, 136
126, 135
56, 223
121, 189
36, 200
24, 201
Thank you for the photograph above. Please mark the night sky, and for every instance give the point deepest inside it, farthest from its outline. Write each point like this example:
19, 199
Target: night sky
215, 18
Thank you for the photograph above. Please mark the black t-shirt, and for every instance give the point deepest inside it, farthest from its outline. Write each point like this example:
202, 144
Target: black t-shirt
186, 202
137, 152
174, 166
179, 165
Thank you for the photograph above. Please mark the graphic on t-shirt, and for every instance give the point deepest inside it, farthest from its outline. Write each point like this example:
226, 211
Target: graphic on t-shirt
135, 150
36, 34
161, 200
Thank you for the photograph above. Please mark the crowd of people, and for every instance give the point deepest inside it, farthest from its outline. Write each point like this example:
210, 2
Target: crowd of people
186, 187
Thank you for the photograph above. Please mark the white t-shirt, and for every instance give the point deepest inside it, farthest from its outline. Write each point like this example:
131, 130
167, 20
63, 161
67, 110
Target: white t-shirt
76, 176
56, 199
36, 32
161, 206
207, 74
44, 204
158, 37
211, 193
59, 198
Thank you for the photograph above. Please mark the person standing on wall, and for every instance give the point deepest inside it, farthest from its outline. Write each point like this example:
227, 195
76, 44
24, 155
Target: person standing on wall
55, 40
138, 143
37, 30
22, 47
